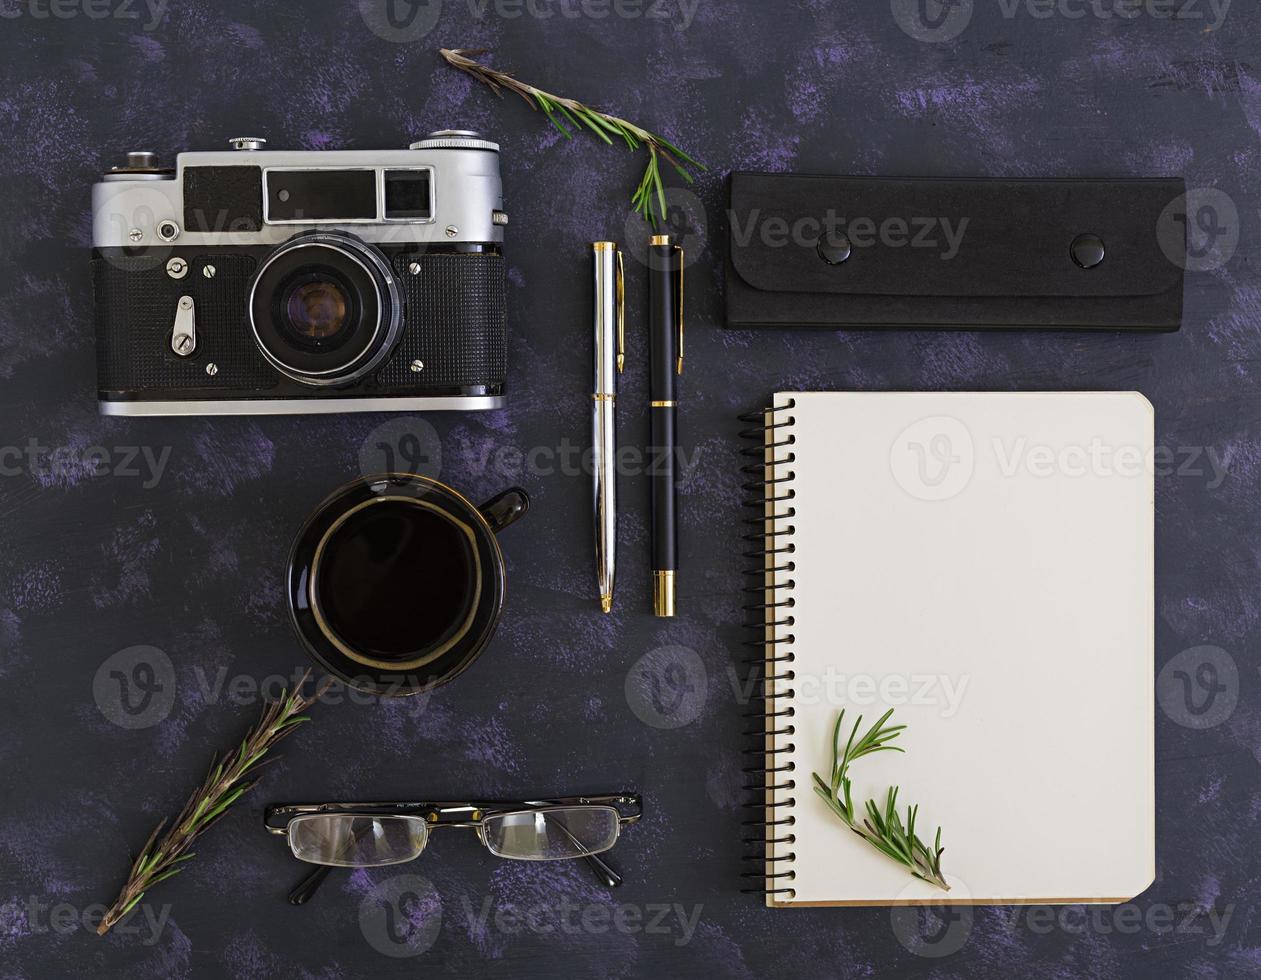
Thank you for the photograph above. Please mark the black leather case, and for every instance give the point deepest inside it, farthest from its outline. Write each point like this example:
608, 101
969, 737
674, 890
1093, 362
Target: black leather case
955, 253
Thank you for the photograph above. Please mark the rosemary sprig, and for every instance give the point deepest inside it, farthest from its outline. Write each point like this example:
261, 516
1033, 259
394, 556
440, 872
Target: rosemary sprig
224, 785
649, 199
881, 827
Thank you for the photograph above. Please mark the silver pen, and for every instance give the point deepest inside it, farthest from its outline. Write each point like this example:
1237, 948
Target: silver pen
610, 359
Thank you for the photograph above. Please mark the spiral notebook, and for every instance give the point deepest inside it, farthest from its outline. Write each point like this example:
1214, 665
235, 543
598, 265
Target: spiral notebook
982, 563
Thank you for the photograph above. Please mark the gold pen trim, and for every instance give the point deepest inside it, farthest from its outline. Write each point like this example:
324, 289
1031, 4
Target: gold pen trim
621, 315
663, 594
604, 397
663, 404
604, 246
659, 240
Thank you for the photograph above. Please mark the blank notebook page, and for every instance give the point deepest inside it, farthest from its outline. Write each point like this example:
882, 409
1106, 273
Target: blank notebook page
982, 563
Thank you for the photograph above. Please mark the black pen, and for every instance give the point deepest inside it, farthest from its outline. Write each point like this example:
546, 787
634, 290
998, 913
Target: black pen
665, 315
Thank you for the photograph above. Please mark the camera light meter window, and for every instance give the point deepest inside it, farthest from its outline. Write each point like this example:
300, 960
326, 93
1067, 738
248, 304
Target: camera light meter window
303, 196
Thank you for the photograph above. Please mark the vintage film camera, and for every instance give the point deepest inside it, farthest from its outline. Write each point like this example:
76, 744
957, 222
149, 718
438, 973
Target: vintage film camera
251, 281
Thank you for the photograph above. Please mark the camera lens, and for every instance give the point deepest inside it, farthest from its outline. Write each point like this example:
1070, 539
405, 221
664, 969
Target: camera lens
325, 309
316, 307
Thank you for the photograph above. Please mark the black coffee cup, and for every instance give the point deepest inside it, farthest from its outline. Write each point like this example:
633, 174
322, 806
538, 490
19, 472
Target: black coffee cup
396, 582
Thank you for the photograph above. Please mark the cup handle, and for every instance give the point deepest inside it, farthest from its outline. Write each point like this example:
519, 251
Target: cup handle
508, 508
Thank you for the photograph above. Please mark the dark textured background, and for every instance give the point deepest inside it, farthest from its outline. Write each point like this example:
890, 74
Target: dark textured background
91, 565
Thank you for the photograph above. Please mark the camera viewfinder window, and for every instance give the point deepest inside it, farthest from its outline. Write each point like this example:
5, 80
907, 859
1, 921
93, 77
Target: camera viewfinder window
407, 195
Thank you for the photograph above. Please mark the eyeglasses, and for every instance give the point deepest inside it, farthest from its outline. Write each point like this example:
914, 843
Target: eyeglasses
373, 835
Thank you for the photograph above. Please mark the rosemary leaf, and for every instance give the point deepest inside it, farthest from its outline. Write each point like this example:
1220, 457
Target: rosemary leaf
881, 827
224, 785
590, 124
649, 198
131, 905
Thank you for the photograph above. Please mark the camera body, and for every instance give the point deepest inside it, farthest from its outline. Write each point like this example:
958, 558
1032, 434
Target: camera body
251, 282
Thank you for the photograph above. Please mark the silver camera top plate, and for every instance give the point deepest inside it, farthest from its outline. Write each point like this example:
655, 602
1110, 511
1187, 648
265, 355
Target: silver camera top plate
140, 206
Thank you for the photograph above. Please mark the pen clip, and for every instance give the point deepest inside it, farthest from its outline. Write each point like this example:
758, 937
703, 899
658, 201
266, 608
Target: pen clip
679, 249
621, 314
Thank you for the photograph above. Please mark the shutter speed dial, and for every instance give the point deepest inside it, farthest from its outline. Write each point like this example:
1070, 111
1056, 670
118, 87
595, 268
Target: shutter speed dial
455, 139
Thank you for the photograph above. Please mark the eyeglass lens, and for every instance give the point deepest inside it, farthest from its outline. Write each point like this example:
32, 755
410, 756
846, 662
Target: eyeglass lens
357, 841
551, 835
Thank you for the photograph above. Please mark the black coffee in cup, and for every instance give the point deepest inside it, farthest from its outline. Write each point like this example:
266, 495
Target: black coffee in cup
396, 579
396, 582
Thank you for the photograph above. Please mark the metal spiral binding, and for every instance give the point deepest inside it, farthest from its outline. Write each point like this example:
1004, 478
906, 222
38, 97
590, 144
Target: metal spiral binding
768, 863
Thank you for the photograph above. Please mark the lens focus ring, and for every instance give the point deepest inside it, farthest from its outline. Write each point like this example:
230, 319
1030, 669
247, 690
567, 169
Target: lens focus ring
325, 309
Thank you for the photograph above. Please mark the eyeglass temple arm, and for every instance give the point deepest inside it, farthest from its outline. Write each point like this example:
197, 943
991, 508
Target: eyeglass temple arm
308, 886
603, 872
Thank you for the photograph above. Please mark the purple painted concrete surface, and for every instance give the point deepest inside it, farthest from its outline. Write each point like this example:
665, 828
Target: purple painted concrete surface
183, 549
